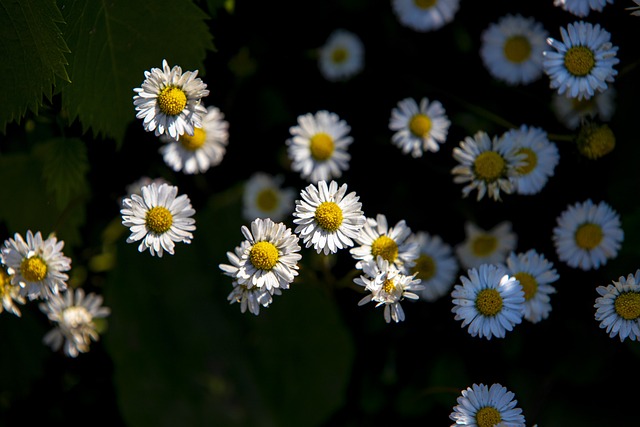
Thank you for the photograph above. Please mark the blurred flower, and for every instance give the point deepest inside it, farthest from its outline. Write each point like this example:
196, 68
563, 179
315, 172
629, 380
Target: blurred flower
618, 307
572, 112
587, 235
158, 218
264, 197
595, 140
635, 9
169, 101
425, 15
419, 128
482, 406
251, 297
486, 246
436, 265
581, 8
342, 56
10, 294
318, 146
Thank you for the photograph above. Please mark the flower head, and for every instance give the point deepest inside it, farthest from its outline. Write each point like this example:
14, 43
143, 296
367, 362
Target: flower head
264, 197
342, 56
618, 307
436, 265
486, 246
425, 15
482, 406
573, 112
9, 294
595, 140
582, 8
252, 297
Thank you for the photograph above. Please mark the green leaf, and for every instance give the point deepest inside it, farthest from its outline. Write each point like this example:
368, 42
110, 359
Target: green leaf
32, 55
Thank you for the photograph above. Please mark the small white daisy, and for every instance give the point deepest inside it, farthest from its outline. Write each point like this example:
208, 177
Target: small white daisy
582, 63
327, 217
318, 146
486, 246
635, 9
587, 235
573, 112
436, 265
391, 243
582, 8
618, 307
342, 56
387, 286
38, 266
264, 197
252, 297
419, 128
9, 294
535, 274
158, 218
482, 406
486, 164
489, 301
196, 153
425, 15
168, 101
73, 313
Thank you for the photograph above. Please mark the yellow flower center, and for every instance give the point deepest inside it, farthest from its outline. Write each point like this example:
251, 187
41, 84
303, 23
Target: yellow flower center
627, 305
425, 4
588, 235
172, 100
484, 245
489, 166
420, 125
329, 216
489, 302
530, 161
158, 219
194, 142
267, 199
33, 269
488, 417
594, 141
339, 55
5, 283
321, 146
529, 284
388, 286
386, 247
579, 60
425, 267
517, 49
264, 255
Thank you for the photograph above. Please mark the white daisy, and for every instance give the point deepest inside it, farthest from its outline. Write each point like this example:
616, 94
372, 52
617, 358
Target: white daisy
436, 265
264, 197
73, 313
327, 217
168, 101
342, 56
387, 286
482, 406
10, 294
251, 297
486, 164
511, 49
318, 146
391, 243
419, 128
158, 218
489, 301
486, 246
535, 274
635, 9
196, 153
573, 112
581, 8
425, 15
587, 235
582, 64
618, 307
38, 266
268, 258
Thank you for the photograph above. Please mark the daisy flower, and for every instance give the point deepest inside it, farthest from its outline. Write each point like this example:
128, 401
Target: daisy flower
581, 8
535, 274
486, 246
425, 15
391, 243
264, 197
387, 286
486, 164
73, 313
582, 62
251, 297
37, 265
419, 128
572, 112
10, 294
635, 9
511, 49
327, 217
158, 218
268, 258
196, 153
436, 265
587, 235
168, 101
482, 406
489, 301
318, 146
342, 56
618, 307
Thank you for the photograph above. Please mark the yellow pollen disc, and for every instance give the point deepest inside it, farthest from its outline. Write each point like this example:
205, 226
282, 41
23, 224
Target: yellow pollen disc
386, 247
489, 302
194, 142
582, 105
172, 100
579, 60
33, 269
5, 283
339, 55
529, 284
159, 219
588, 236
420, 125
489, 166
329, 216
594, 141
425, 267
517, 49
264, 255
627, 305
530, 161
321, 146
424, 4
484, 245
488, 417
388, 286
267, 199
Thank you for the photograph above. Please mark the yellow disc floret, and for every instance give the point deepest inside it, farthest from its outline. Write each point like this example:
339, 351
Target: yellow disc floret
579, 60
33, 269
158, 219
530, 161
488, 417
529, 284
386, 247
172, 100
267, 199
484, 245
192, 143
339, 55
627, 305
329, 216
517, 49
588, 236
389, 286
321, 146
420, 125
264, 255
425, 4
489, 166
489, 302
594, 141
425, 267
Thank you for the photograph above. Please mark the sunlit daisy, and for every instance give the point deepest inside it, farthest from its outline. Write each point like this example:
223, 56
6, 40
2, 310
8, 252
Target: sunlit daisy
342, 56
251, 297
582, 63
419, 128
573, 112
618, 307
264, 197
635, 9
512, 49
196, 153
425, 15
37, 265
486, 246
327, 217
318, 146
595, 140
483, 406
158, 218
582, 8
168, 101
587, 235
10, 294
436, 265
489, 301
